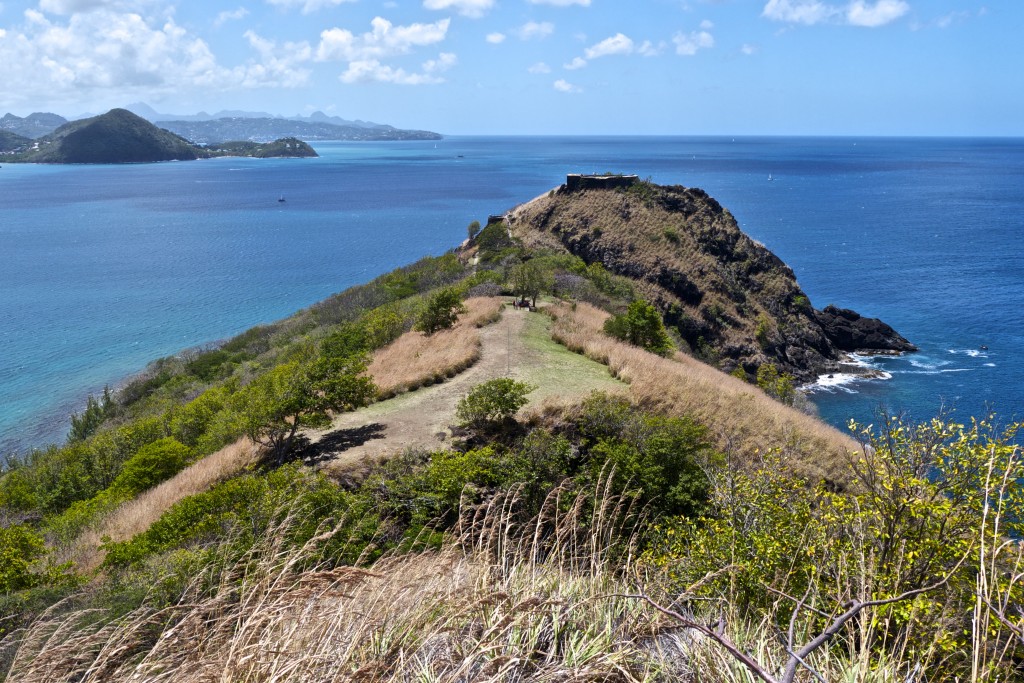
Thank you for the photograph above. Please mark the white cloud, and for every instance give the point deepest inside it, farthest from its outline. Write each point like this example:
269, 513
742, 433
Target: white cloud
469, 8
372, 71
66, 7
385, 40
855, 13
276, 62
308, 6
561, 3
495, 38
562, 85
797, 11
576, 63
749, 49
649, 49
706, 25
688, 44
881, 13
539, 68
619, 44
233, 15
113, 57
533, 29
444, 61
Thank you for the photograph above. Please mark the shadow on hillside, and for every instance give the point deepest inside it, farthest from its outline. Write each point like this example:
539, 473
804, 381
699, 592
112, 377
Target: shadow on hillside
338, 441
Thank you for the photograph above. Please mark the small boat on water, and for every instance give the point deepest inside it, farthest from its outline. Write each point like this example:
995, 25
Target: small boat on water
281, 198
770, 177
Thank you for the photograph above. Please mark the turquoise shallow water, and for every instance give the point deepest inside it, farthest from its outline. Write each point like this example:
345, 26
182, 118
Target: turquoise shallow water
106, 268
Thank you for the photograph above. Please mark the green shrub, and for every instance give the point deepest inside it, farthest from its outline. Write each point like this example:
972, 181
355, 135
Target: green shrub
154, 463
641, 326
490, 404
777, 385
441, 312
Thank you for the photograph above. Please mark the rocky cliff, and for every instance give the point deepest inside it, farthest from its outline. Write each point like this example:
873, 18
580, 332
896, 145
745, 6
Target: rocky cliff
732, 301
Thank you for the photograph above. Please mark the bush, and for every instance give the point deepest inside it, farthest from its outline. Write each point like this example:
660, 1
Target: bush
641, 325
492, 403
777, 385
442, 311
153, 464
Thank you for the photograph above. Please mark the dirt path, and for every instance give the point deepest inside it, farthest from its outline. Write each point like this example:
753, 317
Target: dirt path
518, 346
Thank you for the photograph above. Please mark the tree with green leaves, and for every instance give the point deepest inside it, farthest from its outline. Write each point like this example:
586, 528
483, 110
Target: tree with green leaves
301, 394
492, 403
642, 326
473, 229
528, 281
441, 312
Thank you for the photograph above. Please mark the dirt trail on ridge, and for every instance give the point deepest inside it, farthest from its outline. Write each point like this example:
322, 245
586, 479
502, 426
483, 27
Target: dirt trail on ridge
516, 346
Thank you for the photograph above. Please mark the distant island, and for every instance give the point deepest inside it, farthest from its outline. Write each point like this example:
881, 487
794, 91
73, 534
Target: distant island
224, 126
119, 137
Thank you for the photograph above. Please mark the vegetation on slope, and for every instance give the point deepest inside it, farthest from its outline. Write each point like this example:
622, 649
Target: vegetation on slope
693, 529
733, 302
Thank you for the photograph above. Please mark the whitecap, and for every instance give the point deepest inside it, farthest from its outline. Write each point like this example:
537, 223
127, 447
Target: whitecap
990, 365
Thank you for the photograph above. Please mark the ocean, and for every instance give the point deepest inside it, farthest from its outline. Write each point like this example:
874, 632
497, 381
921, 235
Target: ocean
106, 268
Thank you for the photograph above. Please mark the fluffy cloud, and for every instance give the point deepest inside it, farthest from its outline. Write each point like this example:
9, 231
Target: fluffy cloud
233, 15
619, 44
116, 56
688, 44
66, 7
539, 68
469, 8
649, 49
495, 38
308, 6
576, 63
749, 49
372, 71
384, 40
561, 3
562, 85
533, 29
854, 13
881, 13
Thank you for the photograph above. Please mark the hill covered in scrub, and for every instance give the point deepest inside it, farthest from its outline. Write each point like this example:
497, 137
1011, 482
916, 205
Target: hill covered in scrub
120, 136
415, 479
731, 300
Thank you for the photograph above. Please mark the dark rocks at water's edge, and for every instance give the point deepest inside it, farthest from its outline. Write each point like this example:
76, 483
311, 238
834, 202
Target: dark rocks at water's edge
851, 332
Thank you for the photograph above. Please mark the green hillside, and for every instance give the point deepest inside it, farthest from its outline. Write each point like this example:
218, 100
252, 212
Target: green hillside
120, 136
416, 480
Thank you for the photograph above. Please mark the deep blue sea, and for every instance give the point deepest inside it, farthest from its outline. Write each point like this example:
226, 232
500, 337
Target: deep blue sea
105, 268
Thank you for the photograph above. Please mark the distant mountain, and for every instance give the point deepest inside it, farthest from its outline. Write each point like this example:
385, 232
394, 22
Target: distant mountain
11, 141
33, 126
266, 129
119, 136
205, 129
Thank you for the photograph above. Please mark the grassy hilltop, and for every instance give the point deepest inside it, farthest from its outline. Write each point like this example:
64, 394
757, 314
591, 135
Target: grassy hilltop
415, 480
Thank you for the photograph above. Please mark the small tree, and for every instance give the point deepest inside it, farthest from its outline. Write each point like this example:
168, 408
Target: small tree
775, 384
641, 325
442, 310
528, 281
473, 230
298, 395
490, 404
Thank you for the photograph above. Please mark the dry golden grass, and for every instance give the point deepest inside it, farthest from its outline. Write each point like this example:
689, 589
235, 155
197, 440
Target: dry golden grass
503, 603
415, 359
138, 514
743, 420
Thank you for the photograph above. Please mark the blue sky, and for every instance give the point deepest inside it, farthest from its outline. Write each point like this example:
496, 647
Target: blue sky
687, 67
